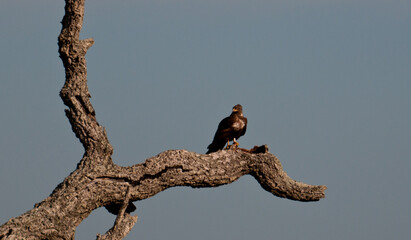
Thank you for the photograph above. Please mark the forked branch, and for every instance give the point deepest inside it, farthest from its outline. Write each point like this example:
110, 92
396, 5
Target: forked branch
98, 182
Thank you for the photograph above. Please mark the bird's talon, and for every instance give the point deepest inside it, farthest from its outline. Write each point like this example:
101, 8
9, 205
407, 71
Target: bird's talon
235, 143
228, 145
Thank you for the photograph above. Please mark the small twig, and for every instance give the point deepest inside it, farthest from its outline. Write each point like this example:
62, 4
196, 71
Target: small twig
124, 221
123, 208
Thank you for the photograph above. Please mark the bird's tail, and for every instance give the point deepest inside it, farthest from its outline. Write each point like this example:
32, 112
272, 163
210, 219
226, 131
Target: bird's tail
214, 147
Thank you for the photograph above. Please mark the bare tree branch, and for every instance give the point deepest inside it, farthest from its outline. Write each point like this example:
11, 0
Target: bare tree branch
58, 215
98, 182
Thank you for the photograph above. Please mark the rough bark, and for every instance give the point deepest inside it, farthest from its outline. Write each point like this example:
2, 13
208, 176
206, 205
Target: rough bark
98, 182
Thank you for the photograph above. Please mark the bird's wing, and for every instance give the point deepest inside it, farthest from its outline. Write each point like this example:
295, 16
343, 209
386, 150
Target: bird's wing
245, 126
224, 127
226, 124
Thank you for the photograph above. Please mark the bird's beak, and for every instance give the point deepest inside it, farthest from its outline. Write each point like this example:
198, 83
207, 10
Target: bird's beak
235, 110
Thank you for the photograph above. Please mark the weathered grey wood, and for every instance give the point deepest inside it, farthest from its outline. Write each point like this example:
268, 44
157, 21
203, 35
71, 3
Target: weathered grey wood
98, 182
86, 189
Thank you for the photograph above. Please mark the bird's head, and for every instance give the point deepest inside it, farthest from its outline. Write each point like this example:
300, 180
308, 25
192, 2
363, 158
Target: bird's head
238, 108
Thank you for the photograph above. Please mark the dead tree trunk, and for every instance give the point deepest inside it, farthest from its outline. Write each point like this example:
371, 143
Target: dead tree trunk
98, 182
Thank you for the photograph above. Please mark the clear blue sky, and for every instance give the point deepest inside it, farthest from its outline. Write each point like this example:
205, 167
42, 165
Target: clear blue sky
325, 83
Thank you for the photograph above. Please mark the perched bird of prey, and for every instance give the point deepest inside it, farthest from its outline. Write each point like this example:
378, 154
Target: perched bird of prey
229, 129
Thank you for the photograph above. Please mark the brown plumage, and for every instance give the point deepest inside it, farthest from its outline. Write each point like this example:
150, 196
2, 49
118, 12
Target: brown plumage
229, 129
